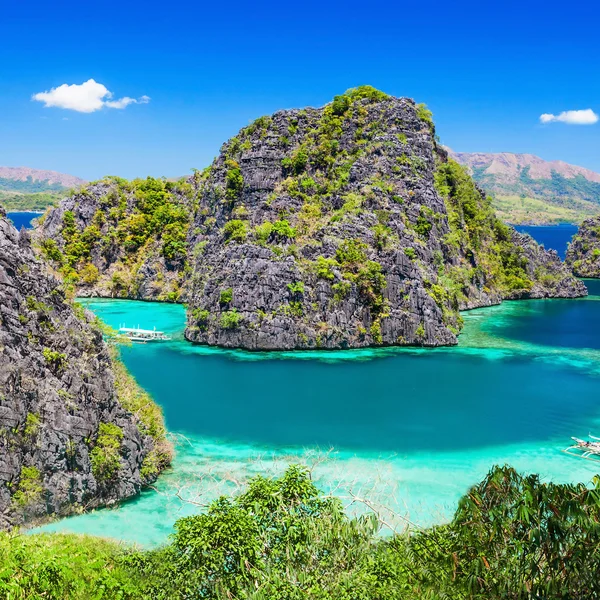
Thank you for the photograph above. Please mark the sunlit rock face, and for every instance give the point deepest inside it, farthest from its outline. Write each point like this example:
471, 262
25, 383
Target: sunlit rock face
347, 226
57, 397
583, 254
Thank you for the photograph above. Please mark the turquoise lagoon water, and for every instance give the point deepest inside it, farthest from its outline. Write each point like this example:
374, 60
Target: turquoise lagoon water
407, 429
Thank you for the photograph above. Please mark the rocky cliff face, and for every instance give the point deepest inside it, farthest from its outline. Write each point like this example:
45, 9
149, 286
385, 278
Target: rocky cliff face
68, 438
348, 226
118, 238
583, 254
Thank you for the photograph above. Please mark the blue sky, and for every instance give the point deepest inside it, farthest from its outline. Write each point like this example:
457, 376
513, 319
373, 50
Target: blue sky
487, 72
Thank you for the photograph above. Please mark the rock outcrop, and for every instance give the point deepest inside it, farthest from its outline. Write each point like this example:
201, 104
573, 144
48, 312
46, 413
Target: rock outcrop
347, 226
583, 254
121, 239
68, 438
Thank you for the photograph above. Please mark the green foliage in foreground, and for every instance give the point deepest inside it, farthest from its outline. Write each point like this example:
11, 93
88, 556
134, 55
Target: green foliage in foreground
512, 537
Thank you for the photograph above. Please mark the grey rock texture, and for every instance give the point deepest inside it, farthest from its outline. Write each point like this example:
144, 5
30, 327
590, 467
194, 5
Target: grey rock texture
328, 228
546, 271
583, 254
56, 387
115, 232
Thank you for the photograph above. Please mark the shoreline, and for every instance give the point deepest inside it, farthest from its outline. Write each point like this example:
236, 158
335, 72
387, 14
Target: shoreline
565, 224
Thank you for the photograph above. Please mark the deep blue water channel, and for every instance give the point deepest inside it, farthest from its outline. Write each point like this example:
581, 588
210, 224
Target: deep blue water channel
23, 219
552, 237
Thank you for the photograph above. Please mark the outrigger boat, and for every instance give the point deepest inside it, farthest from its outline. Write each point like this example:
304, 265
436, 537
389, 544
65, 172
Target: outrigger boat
590, 450
142, 336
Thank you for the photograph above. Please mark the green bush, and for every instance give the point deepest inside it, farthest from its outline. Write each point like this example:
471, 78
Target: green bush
511, 537
201, 316
425, 114
376, 332
351, 254
296, 288
50, 250
262, 232
32, 425
64, 567
420, 331
30, 488
341, 290
298, 161
284, 230
226, 296
236, 230
324, 268
89, 273
106, 454
423, 226
57, 360
382, 236
230, 319
234, 181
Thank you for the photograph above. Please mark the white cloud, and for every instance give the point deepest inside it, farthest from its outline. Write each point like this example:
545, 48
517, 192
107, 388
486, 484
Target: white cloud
572, 117
87, 97
126, 101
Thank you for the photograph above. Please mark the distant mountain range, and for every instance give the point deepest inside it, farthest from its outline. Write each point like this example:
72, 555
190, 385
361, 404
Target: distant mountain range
23, 188
528, 189
25, 179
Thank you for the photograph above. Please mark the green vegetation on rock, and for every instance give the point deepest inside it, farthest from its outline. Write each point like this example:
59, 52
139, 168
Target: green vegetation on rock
30, 487
473, 224
357, 202
106, 454
78, 432
134, 245
583, 253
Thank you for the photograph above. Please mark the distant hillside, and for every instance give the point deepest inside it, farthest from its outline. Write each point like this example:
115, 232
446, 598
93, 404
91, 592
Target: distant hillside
527, 189
16, 179
23, 188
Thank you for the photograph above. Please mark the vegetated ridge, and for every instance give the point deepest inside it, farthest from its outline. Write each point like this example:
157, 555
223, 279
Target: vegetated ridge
528, 189
583, 253
75, 430
122, 239
348, 226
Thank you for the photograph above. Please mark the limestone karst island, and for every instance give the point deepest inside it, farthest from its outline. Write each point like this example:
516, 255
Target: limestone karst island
287, 313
